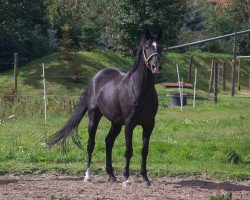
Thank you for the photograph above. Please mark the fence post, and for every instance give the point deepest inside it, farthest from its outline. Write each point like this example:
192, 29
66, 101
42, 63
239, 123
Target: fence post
190, 69
211, 77
233, 63
215, 82
180, 87
249, 79
224, 76
15, 72
195, 75
239, 74
44, 94
232, 78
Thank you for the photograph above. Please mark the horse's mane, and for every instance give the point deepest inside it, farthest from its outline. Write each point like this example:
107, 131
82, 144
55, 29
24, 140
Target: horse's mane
138, 56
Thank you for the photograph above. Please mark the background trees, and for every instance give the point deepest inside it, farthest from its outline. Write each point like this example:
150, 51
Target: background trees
22, 29
227, 16
133, 16
83, 16
116, 24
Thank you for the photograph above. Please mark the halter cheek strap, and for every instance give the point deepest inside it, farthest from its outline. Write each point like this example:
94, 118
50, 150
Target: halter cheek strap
148, 58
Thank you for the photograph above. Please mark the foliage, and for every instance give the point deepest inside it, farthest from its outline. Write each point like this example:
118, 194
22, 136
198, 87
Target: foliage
233, 157
220, 20
114, 24
66, 43
84, 17
21, 30
132, 17
89, 36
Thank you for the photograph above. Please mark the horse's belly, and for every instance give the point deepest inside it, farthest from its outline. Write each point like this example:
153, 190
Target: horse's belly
110, 108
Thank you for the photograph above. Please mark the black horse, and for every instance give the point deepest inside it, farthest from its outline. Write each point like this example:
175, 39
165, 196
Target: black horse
124, 98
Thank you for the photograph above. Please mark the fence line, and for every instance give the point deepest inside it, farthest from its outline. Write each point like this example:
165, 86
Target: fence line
207, 40
208, 96
84, 76
41, 95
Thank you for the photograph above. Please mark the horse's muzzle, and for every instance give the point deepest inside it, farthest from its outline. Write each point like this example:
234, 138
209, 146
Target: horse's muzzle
155, 71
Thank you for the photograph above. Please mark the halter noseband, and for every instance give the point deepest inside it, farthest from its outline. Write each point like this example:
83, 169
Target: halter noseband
147, 59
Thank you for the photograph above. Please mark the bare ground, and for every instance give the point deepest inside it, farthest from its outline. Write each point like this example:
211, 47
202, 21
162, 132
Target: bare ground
49, 186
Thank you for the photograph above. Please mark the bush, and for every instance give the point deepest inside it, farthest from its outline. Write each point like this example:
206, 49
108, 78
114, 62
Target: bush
232, 157
66, 43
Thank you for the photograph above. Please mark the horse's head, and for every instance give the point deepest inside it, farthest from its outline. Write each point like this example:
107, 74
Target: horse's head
152, 52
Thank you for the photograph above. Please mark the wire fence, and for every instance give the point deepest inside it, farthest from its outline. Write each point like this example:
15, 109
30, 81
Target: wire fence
37, 79
29, 104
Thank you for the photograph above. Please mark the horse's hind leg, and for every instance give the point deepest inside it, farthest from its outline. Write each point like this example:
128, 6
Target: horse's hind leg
94, 119
110, 139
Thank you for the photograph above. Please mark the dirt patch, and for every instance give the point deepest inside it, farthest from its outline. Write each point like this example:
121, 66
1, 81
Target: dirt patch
47, 186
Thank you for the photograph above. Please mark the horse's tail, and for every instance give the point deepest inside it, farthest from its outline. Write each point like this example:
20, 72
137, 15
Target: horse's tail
71, 127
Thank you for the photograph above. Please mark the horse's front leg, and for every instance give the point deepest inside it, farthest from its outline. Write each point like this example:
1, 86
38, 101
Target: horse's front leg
128, 152
147, 130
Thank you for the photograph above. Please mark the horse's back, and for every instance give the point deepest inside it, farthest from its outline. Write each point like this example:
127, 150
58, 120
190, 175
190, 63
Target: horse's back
108, 76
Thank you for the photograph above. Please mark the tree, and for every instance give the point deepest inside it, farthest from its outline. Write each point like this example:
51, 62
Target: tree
66, 43
228, 17
217, 18
133, 16
21, 30
84, 18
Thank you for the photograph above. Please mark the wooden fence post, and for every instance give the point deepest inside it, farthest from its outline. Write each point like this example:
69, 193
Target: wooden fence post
249, 79
190, 69
15, 72
239, 74
211, 77
224, 76
215, 82
232, 78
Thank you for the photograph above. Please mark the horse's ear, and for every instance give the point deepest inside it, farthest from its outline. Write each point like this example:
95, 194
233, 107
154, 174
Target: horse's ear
147, 34
160, 35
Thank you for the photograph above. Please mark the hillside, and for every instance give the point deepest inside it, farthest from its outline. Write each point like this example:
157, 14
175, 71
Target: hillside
69, 77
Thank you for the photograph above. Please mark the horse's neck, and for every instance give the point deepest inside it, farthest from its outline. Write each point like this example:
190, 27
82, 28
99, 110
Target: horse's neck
143, 80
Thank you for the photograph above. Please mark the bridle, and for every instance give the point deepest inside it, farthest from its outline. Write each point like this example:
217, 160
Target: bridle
147, 59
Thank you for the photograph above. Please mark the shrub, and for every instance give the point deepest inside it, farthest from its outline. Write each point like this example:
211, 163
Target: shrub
232, 157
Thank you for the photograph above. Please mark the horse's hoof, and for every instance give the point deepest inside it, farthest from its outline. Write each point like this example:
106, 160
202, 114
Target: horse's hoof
126, 183
87, 180
146, 183
112, 179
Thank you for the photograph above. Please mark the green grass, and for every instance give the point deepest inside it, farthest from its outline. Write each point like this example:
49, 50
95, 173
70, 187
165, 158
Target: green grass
188, 142
59, 73
210, 139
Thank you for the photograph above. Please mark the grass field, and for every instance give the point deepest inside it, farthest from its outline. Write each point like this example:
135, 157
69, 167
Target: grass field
211, 139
